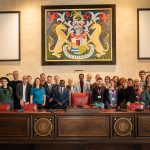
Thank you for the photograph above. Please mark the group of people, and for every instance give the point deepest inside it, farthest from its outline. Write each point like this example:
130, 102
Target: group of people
111, 93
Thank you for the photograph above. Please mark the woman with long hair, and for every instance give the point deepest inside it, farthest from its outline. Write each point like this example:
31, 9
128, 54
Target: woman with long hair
37, 94
113, 95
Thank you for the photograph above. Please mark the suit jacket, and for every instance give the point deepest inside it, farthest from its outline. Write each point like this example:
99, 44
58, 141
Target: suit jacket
48, 91
86, 87
104, 95
61, 97
19, 91
13, 84
7, 98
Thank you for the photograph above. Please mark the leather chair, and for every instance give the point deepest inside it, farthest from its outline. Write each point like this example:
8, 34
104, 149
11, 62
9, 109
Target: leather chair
4, 107
80, 99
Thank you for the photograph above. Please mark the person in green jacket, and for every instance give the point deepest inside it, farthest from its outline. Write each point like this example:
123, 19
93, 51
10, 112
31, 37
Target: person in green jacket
142, 96
6, 93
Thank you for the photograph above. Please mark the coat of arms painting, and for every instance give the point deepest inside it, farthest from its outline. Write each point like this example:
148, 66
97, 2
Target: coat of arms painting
78, 35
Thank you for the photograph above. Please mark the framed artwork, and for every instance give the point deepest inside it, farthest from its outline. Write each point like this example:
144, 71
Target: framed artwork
78, 35
10, 36
143, 30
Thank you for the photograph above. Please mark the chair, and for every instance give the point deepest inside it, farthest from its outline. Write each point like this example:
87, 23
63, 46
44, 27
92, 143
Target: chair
80, 99
4, 107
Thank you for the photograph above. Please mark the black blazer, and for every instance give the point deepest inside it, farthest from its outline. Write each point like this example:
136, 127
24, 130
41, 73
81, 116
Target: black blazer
104, 93
19, 91
48, 91
125, 95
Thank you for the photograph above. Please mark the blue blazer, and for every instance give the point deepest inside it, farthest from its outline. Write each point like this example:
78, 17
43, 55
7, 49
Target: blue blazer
61, 97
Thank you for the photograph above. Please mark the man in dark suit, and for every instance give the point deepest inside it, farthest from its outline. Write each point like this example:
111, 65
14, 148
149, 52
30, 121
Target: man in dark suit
23, 91
61, 96
49, 92
13, 84
99, 94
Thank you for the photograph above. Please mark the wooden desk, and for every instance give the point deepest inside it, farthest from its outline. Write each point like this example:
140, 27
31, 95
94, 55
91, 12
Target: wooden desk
75, 129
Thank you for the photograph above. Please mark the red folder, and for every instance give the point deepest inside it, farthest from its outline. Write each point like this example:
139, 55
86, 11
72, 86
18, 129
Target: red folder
30, 107
4, 107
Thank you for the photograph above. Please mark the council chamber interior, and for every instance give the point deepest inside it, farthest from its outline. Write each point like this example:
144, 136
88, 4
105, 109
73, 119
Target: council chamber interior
59, 61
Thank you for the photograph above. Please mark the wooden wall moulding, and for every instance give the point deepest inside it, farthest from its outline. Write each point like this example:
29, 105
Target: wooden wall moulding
143, 126
82, 127
15, 127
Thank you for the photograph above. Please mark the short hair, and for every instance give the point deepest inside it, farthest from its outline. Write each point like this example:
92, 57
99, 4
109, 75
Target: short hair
49, 76
107, 77
15, 71
62, 80
142, 71
56, 76
42, 74
130, 79
28, 76
81, 74
99, 79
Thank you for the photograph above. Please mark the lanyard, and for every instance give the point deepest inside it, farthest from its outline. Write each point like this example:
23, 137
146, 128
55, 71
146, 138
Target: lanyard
99, 91
112, 93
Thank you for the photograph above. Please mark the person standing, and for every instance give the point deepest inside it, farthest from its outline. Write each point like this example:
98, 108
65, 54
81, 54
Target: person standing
81, 86
70, 85
49, 92
142, 75
23, 91
43, 78
61, 96
113, 95
37, 94
13, 84
6, 93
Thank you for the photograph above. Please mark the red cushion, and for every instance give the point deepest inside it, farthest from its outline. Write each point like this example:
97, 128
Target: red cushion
4, 107
30, 107
80, 99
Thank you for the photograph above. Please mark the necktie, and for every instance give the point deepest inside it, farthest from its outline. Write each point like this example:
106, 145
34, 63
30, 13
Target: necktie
61, 89
81, 86
49, 87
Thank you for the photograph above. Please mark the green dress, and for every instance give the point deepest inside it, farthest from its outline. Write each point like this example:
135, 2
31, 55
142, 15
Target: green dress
7, 97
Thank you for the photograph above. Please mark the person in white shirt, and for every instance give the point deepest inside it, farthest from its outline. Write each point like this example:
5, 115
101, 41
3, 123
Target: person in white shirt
23, 91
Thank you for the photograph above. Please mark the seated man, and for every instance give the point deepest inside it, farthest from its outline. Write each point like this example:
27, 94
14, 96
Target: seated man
60, 96
99, 94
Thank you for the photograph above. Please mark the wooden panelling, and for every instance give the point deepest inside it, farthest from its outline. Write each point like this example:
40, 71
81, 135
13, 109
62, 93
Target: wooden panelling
14, 126
143, 126
83, 126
